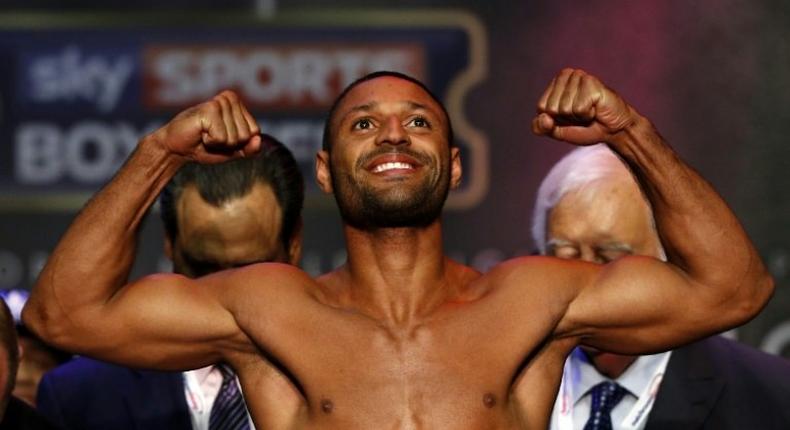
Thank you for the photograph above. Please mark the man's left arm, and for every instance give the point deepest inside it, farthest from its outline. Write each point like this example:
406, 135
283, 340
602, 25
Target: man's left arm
715, 278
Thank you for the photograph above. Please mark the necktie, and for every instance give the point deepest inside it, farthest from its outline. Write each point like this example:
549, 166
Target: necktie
605, 396
229, 411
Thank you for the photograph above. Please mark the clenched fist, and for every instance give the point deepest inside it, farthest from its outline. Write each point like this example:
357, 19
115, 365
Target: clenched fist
212, 132
578, 108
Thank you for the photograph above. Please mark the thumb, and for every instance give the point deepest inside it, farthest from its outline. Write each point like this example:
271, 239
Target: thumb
579, 135
543, 124
252, 147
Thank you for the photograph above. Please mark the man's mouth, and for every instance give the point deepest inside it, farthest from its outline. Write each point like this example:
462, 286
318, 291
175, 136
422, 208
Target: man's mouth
391, 166
393, 163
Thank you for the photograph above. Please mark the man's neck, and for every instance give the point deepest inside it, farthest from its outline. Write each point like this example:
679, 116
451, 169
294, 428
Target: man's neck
397, 274
610, 365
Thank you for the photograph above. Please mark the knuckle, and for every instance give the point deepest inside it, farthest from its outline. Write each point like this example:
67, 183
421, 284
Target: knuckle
211, 107
229, 95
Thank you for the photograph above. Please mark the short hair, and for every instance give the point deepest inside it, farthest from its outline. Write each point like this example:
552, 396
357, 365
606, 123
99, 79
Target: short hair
218, 183
327, 138
584, 169
8, 339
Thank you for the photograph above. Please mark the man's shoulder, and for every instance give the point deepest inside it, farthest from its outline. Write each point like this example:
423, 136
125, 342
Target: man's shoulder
276, 276
544, 274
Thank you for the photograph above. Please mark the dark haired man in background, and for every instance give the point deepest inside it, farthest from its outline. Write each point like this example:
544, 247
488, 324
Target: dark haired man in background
216, 217
15, 414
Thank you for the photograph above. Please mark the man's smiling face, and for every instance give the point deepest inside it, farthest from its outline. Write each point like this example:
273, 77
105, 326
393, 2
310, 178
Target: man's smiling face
390, 163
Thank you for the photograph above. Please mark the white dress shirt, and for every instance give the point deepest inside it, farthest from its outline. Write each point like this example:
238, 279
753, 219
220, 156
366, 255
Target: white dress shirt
201, 387
641, 381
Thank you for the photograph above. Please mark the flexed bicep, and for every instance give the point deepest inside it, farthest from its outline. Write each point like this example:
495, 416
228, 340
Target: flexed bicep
639, 305
161, 321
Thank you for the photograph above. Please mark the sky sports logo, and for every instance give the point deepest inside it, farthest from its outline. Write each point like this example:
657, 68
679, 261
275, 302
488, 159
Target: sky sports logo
289, 77
267, 77
83, 97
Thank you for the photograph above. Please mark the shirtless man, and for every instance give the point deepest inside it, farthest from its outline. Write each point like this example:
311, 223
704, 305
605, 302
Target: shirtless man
400, 337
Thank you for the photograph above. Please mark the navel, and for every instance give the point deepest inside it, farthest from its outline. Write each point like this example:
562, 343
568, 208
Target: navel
489, 400
327, 406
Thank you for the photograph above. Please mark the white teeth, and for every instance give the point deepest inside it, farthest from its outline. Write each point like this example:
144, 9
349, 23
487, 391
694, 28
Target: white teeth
390, 166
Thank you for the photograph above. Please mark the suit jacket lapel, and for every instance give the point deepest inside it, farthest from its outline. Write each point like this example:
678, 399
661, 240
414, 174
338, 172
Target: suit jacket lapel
688, 392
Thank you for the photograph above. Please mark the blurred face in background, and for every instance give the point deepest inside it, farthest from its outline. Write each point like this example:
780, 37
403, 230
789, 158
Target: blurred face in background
36, 359
606, 221
5, 381
601, 224
8, 358
241, 231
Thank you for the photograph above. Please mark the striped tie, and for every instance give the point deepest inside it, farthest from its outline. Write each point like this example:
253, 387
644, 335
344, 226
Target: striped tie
605, 396
229, 411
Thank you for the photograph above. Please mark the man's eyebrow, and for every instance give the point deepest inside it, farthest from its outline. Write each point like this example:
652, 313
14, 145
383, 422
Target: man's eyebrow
415, 105
366, 107
359, 108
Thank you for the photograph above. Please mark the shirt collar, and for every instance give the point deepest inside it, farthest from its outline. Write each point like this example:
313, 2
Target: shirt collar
635, 378
201, 374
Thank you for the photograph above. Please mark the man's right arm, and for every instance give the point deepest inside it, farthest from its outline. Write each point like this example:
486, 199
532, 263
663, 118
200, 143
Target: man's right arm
81, 301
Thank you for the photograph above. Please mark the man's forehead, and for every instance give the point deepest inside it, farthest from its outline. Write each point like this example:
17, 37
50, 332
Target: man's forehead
372, 93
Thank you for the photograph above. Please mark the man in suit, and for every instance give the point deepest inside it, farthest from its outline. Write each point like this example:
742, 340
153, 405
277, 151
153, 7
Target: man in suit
15, 414
589, 207
35, 356
216, 217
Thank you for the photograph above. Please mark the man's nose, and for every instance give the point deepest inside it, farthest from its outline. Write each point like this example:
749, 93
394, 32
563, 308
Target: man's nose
393, 132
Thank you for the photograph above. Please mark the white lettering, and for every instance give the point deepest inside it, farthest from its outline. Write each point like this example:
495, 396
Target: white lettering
172, 68
777, 340
260, 65
269, 75
309, 77
217, 71
303, 138
87, 152
11, 270
90, 150
37, 153
71, 76
37, 261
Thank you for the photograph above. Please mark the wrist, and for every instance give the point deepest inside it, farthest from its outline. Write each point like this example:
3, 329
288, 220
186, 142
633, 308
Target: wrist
154, 146
636, 131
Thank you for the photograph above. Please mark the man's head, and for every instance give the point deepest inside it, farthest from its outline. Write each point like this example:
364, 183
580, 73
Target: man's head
388, 155
236, 213
590, 207
9, 356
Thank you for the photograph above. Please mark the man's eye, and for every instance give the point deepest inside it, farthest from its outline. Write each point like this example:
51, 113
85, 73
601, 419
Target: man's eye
419, 122
363, 124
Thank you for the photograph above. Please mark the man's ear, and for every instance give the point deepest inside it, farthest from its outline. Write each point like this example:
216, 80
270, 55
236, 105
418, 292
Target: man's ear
295, 244
455, 167
323, 174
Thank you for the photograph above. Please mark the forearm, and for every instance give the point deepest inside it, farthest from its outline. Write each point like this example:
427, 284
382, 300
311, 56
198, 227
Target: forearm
92, 260
699, 232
